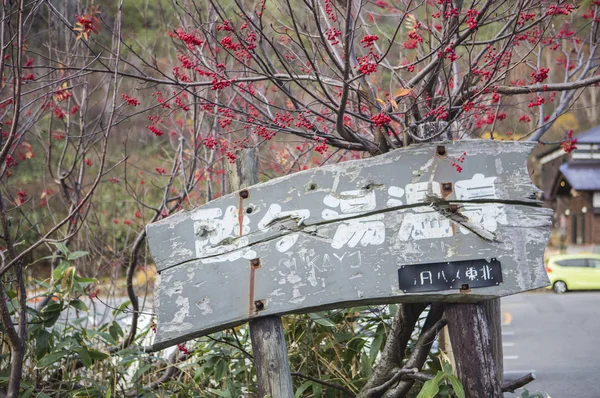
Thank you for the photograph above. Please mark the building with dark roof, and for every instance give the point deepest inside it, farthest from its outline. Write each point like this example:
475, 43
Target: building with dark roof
571, 185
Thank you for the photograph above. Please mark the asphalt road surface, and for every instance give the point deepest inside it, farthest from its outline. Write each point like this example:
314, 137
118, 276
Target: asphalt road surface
557, 338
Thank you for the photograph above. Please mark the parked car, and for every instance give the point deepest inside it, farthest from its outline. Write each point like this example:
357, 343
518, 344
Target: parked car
574, 272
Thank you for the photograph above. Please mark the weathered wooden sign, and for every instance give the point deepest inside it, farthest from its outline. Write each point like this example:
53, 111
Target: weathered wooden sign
406, 226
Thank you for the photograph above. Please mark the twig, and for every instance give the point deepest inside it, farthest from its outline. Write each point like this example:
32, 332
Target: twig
511, 386
325, 383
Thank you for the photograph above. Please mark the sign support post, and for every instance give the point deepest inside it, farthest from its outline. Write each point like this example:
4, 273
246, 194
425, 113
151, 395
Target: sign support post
269, 348
472, 347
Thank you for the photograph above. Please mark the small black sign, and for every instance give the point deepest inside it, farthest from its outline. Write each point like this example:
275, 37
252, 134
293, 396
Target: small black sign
449, 275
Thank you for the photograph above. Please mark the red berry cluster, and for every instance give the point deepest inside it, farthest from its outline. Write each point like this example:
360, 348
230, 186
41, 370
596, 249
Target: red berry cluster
225, 27
368, 40
536, 102
458, 161
210, 142
321, 147
187, 38
130, 100
332, 35
564, 9
154, 120
540, 75
183, 349
231, 156
524, 119
329, 11
568, 142
472, 18
380, 119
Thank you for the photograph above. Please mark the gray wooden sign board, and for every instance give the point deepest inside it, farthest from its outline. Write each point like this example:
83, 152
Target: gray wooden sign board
337, 236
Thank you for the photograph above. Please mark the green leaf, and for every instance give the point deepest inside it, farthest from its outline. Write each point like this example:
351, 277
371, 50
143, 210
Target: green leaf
354, 347
106, 336
51, 312
75, 255
457, 386
431, 387
108, 393
62, 247
121, 308
220, 369
97, 355
80, 305
27, 393
375, 346
51, 358
60, 270
84, 355
303, 387
220, 393
365, 366
322, 321
85, 281
115, 330
42, 344
140, 372
317, 390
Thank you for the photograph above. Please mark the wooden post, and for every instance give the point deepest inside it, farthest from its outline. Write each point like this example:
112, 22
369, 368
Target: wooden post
270, 357
268, 340
492, 311
472, 347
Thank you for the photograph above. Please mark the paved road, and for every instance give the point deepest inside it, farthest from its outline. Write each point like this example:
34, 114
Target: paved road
557, 338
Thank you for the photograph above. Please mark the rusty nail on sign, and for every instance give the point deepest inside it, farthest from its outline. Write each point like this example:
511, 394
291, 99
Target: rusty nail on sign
255, 262
259, 305
446, 189
465, 288
441, 150
244, 194
453, 208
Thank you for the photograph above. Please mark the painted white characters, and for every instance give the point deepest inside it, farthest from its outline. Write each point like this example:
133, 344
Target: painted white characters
275, 214
219, 236
369, 230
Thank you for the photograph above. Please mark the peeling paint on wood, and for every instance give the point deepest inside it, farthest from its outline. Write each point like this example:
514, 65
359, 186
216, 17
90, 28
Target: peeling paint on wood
335, 236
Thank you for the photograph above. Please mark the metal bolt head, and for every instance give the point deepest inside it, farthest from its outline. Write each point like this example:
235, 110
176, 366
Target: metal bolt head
244, 194
255, 262
447, 186
441, 150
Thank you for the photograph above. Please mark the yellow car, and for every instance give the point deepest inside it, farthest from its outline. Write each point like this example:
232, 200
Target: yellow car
574, 272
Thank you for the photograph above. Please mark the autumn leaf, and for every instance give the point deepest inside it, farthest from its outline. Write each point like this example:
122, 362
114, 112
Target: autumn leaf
410, 22
87, 23
402, 92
